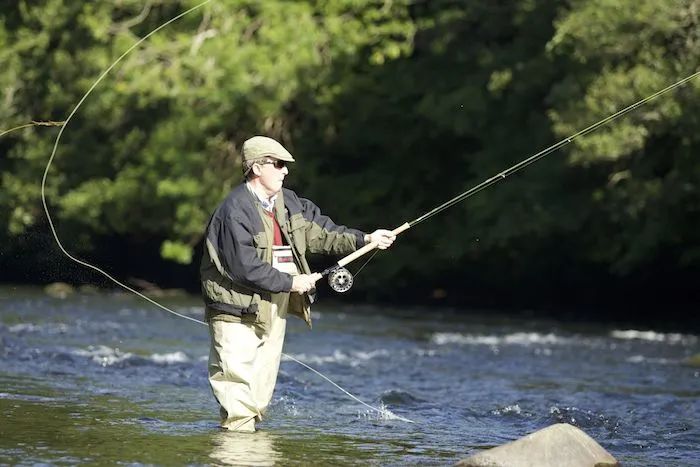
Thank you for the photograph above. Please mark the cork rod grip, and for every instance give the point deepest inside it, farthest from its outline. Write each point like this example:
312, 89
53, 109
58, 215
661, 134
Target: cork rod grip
369, 247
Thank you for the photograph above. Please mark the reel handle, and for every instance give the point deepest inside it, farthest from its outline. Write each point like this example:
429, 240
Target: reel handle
370, 246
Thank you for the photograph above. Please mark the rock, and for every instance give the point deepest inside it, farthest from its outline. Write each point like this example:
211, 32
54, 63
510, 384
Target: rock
152, 290
693, 361
554, 446
142, 284
167, 293
59, 290
88, 289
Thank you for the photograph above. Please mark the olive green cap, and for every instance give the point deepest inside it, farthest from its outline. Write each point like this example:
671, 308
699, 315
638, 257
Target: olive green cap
258, 147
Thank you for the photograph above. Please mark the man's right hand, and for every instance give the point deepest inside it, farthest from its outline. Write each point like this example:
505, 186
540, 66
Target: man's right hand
304, 282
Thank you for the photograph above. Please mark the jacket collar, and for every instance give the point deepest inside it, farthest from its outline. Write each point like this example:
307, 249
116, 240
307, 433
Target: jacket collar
267, 204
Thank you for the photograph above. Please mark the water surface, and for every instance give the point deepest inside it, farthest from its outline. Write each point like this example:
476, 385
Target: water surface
108, 378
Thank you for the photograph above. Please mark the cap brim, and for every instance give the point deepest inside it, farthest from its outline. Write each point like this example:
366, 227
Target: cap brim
282, 157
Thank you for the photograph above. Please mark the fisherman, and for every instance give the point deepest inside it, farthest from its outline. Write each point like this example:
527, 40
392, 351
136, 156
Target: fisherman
254, 273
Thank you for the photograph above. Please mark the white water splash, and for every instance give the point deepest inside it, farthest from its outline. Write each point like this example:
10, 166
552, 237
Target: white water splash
383, 413
509, 409
352, 359
79, 326
103, 355
643, 359
169, 358
45, 328
518, 338
424, 352
107, 356
651, 336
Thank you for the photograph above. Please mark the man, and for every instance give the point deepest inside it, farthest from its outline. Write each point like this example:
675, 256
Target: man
254, 272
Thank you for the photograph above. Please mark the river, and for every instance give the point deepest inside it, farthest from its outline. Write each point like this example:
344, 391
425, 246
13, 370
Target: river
108, 378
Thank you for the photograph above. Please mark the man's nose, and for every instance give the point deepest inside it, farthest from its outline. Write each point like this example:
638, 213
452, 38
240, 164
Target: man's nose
285, 170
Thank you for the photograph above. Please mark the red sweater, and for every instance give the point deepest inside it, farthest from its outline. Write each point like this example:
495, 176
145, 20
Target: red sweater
277, 236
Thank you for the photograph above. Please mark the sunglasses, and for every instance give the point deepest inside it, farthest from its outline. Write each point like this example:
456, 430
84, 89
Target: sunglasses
277, 163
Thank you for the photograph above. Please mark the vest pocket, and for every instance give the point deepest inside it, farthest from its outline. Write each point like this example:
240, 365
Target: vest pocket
236, 301
297, 230
259, 314
261, 247
299, 307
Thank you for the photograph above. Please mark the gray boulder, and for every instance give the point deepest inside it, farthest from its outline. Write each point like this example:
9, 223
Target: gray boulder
693, 361
554, 446
59, 290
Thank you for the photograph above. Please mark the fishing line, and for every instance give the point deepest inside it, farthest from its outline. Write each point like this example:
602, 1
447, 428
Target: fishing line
545, 152
339, 277
384, 412
357, 273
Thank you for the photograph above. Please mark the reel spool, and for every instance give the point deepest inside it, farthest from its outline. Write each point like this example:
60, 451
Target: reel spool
340, 280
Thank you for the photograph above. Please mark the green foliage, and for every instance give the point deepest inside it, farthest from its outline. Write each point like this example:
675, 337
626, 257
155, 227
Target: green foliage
391, 107
630, 50
154, 147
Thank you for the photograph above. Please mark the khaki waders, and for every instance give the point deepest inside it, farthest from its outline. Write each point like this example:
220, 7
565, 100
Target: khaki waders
244, 361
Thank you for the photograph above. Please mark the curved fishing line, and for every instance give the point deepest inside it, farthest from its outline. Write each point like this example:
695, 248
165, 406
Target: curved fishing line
387, 413
545, 152
33, 123
384, 412
55, 149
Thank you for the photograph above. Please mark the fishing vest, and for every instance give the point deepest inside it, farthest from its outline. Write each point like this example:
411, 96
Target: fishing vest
303, 229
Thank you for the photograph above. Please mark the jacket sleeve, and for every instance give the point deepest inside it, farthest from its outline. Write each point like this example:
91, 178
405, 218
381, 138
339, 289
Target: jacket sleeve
324, 236
240, 261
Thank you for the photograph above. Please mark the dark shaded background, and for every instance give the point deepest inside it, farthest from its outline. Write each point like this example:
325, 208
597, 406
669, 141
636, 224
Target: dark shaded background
425, 101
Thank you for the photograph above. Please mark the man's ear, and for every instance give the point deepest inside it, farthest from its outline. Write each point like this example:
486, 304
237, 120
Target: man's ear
256, 170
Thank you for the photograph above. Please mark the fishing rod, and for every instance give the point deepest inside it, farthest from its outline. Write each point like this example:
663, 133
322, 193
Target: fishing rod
341, 280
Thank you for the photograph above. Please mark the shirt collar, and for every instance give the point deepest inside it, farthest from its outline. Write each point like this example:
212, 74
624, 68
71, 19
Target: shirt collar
268, 204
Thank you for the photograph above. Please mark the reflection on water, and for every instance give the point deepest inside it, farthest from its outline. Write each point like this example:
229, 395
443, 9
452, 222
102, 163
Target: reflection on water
107, 379
255, 449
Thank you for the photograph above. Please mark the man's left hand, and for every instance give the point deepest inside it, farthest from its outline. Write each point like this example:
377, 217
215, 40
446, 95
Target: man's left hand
383, 238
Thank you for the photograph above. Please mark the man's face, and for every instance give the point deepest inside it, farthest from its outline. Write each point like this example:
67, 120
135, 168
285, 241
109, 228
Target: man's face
271, 173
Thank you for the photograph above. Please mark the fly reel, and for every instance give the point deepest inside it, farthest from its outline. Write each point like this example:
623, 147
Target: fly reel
340, 280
